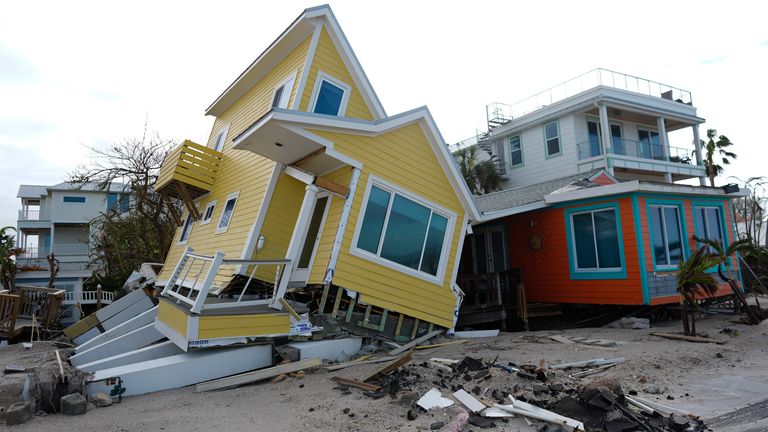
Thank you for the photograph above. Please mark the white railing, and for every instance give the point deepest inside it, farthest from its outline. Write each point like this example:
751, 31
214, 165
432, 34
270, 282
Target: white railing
58, 250
30, 215
499, 113
88, 297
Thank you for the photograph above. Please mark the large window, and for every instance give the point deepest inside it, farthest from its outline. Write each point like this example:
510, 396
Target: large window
650, 146
515, 151
667, 235
330, 96
552, 138
709, 224
403, 230
595, 240
226, 213
594, 132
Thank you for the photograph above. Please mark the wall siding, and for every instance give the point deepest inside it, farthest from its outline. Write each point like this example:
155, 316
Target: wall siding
328, 60
403, 157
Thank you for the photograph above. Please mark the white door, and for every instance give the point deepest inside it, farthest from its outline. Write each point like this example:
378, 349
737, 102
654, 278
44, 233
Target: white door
311, 238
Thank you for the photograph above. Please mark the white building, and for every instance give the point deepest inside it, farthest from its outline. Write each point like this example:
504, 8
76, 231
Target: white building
56, 219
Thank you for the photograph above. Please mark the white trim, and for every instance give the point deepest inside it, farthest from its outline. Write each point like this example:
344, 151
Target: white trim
325, 77
328, 144
255, 232
230, 197
511, 211
341, 228
299, 175
296, 269
665, 232
307, 65
285, 84
205, 221
223, 131
396, 189
191, 221
558, 137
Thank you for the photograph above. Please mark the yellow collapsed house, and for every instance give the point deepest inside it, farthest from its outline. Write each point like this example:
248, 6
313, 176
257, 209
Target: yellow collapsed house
307, 190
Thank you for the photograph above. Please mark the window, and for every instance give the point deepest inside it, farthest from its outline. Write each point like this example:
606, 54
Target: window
709, 224
74, 199
208, 213
403, 231
515, 151
594, 132
282, 93
186, 229
226, 214
667, 235
221, 138
552, 138
595, 240
330, 96
118, 202
650, 146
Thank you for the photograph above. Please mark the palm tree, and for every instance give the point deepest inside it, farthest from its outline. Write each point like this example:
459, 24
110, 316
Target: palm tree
693, 282
481, 176
716, 148
8, 250
721, 255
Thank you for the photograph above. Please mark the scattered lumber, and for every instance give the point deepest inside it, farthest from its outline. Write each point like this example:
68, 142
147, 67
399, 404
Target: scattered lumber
469, 401
358, 363
561, 339
458, 342
355, 383
432, 399
390, 367
696, 339
258, 375
444, 360
589, 363
544, 415
592, 371
472, 334
662, 409
414, 343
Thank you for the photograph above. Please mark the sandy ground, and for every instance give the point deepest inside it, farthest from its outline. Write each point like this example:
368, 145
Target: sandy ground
706, 379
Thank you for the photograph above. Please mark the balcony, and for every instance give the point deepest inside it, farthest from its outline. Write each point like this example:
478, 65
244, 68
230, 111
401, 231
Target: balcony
58, 250
188, 172
31, 215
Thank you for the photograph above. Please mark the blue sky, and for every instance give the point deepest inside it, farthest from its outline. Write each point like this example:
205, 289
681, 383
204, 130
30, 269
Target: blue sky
92, 73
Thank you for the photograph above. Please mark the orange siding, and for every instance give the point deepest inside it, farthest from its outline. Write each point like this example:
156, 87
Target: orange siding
546, 272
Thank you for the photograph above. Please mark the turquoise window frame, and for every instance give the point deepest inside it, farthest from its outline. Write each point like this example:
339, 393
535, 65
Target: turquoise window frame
73, 199
683, 226
559, 140
726, 241
577, 274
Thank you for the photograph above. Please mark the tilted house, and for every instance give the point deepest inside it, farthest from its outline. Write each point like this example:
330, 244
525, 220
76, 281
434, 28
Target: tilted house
307, 190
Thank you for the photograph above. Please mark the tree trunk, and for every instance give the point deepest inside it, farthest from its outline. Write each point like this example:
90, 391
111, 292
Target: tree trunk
693, 318
751, 315
684, 315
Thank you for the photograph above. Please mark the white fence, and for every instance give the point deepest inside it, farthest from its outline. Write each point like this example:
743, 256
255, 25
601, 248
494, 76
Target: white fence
88, 297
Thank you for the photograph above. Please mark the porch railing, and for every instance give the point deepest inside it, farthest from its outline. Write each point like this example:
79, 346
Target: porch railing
30, 215
639, 149
88, 297
58, 250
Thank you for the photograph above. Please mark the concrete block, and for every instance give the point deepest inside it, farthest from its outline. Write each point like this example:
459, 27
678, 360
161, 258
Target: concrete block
181, 370
19, 413
330, 349
74, 404
128, 342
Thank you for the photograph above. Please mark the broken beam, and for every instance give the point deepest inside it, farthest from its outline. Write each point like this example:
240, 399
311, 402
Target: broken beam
355, 383
331, 186
415, 342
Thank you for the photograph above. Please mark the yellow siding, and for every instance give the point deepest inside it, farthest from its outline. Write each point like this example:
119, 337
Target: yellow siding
279, 223
173, 317
403, 157
323, 254
328, 60
227, 326
240, 170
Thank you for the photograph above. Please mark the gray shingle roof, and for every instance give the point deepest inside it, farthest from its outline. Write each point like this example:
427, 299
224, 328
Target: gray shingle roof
522, 195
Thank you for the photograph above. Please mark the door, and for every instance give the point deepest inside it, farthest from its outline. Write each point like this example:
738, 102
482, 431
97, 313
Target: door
489, 250
311, 238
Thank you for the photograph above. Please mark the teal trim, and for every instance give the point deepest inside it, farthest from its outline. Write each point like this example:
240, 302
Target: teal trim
641, 249
690, 197
559, 140
721, 206
680, 205
597, 274
738, 261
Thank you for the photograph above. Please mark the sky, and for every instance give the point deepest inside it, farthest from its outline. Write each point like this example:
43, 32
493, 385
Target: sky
76, 74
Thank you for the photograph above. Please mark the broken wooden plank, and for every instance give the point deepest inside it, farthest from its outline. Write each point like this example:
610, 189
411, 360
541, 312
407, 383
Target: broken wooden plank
432, 399
532, 411
473, 334
357, 363
662, 409
258, 375
355, 383
592, 371
414, 342
496, 413
444, 360
598, 347
290, 310
589, 363
561, 339
390, 367
695, 339
458, 342
469, 401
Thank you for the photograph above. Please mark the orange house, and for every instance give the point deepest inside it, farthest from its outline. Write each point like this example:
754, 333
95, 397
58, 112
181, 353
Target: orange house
590, 239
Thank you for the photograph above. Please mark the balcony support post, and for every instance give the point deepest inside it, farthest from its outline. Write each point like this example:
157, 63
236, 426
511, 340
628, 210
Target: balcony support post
605, 135
697, 146
664, 144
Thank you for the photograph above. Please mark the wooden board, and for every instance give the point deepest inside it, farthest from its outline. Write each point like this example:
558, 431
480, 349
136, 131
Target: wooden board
415, 342
261, 374
561, 339
390, 367
687, 338
355, 383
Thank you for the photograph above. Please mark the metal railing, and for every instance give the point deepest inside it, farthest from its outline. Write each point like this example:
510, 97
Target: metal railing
31, 215
58, 250
639, 149
88, 297
499, 113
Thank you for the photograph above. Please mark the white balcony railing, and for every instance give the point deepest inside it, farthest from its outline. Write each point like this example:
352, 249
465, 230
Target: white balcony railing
31, 215
88, 297
58, 250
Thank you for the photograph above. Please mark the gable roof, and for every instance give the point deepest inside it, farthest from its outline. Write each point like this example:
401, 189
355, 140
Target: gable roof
301, 28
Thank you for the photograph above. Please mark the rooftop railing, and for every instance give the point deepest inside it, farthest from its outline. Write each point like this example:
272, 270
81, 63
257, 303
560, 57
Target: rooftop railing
500, 113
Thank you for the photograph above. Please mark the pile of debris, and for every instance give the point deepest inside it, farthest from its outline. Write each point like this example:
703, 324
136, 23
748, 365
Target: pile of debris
483, 392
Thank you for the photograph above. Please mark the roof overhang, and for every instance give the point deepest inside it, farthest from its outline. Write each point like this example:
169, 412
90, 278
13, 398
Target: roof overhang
639, 186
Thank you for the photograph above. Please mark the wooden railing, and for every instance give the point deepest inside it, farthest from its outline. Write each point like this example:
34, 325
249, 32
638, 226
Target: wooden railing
489, 296
191, 164
42, 303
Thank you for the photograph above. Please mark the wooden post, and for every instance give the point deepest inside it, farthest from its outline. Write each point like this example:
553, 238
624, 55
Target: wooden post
98, 297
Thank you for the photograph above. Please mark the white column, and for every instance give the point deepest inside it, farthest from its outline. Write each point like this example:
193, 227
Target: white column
294, 247
697, 146
605, 135
341, 229
664, 139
